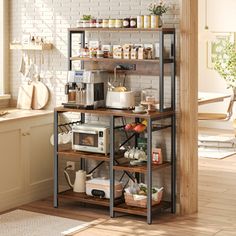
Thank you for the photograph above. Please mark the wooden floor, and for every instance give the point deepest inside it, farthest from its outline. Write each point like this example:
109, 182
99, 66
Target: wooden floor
216, 216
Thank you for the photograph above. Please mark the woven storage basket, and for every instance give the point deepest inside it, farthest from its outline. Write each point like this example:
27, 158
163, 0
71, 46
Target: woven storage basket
129, 200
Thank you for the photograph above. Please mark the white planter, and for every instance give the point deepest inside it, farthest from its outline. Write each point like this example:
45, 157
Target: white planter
86, 23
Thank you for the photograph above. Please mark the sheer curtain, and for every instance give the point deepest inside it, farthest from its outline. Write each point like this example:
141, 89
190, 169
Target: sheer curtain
1, 46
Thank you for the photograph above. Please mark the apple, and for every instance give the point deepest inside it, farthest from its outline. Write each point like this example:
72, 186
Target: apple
139, 128
128, 127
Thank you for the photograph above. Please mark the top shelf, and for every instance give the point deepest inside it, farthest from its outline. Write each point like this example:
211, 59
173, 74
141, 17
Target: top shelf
164, 30
34, 47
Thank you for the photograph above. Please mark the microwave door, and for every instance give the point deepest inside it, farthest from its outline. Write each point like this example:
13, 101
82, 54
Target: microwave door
86, 138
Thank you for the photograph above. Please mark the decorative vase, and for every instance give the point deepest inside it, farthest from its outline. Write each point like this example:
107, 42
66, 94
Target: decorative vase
154, 21
160, 22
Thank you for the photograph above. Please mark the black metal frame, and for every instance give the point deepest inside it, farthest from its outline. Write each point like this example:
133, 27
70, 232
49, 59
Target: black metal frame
150, 128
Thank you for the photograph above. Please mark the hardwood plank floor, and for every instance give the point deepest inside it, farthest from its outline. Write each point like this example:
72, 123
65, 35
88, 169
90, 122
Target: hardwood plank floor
216, 216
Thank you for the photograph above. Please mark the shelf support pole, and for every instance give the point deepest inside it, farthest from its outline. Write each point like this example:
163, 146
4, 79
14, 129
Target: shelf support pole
112, 162
161, 78
55, 196
149, 171
173, 165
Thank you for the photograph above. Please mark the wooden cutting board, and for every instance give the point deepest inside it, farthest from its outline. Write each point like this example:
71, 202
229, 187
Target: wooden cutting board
40, 95
25, 94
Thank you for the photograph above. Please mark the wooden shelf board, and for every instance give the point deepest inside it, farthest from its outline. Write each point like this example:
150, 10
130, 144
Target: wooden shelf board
138, 210
139, 169
88, 59
82, 197
166, 30
40, 47
116, 112
87, 155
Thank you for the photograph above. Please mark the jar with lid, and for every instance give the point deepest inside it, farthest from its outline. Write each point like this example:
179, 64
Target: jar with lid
133, 22
105, 23
93, 23
111, 23
99, 23
147, 22
126, 22
140, 22
119, 23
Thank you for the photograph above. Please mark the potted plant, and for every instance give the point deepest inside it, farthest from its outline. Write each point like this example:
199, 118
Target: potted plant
225, 63
86, 20
157, 10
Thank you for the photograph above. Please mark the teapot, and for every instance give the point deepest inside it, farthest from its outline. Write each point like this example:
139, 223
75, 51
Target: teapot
80, 179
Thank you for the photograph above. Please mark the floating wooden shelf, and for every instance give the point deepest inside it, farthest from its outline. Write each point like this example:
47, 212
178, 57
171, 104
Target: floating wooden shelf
37, 47
165, 30
139, 169
140, 211
83, 197
87, 59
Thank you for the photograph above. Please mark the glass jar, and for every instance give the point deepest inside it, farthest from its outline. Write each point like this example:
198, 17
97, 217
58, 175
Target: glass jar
147, 22
133, 22
126, 23
105, 23
99, 23
149, 95
112, 23
119, 23
140, 22
93, 23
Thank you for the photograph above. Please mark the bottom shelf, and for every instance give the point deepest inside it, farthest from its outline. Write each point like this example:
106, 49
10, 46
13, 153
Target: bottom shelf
83, 197
140, 211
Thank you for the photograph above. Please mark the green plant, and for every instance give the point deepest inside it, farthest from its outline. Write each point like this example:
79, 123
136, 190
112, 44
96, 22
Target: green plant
158, 8
86, 17
225, 63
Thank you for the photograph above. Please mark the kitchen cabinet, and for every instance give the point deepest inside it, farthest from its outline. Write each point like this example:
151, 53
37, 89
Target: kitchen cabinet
165, 113
26, 170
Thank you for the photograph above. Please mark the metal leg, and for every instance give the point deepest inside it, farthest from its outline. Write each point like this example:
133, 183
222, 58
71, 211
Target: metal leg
173, 72
55, 196
173, 165
161, 78
112, 161
149, 172
137, 175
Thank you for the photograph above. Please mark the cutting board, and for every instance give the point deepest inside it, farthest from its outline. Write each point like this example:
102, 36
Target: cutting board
25, 94
40, 95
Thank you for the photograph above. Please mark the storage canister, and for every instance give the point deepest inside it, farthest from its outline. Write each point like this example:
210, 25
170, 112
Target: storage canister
154, 21
105, 23
126, 23
99, 23
147, 22
119, 23
133, 22
111, 23
140, 22
93, 23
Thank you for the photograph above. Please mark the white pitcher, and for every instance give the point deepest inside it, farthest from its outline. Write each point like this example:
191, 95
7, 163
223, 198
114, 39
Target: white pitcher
80, 178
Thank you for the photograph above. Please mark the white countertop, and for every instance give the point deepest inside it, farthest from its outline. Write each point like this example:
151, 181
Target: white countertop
14, 114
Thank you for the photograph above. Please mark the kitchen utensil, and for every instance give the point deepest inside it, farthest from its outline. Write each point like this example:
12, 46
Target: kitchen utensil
80, 178
40, 95
25, 94
22, 68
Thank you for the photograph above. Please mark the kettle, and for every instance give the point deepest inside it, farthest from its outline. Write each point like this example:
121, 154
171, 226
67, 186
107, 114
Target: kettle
80, 178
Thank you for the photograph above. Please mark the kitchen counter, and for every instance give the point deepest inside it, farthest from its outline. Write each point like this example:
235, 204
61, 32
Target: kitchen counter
13, 114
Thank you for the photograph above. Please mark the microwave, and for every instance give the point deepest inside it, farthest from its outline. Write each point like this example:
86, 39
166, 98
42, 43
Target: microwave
91, 138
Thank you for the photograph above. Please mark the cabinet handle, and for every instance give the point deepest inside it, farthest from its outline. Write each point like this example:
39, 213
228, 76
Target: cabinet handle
27, 133
23, 134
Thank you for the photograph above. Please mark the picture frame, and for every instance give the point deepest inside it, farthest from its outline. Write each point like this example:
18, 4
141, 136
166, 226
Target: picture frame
213, 44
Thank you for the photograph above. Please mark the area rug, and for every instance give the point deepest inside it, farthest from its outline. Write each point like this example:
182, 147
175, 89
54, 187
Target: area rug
215, 153
26, 223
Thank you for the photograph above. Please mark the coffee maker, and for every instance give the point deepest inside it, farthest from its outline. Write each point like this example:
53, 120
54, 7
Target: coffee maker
85, 89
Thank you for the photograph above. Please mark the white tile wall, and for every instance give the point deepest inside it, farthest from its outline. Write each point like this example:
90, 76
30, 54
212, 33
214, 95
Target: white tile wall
51, 18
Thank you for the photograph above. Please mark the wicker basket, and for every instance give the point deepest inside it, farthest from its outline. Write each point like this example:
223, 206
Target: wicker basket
129, 200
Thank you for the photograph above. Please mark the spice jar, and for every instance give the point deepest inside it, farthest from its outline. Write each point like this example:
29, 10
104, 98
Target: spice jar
140, 22
133, 22
93, 23
119, 23
105, 23
126, 23
99, 23
111, 23
100, 53
147, 22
